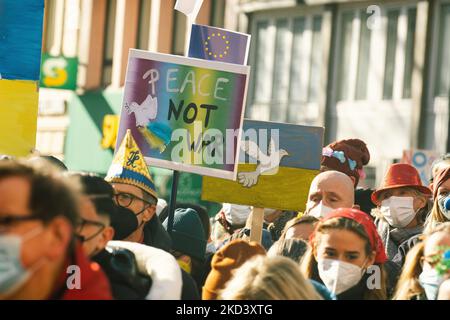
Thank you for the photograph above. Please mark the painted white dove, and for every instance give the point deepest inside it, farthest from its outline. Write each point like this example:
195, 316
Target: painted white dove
267, 163
145, 112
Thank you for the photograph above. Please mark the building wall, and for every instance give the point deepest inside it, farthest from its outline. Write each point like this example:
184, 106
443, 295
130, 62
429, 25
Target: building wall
376, 70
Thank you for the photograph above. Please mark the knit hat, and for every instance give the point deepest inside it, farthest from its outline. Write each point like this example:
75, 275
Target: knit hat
129, 167
400, 175
346, 156
224, 261
187, 234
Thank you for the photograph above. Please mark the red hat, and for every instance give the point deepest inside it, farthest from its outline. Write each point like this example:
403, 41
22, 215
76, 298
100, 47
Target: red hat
442, 176
400, 175
363, 219
346, 156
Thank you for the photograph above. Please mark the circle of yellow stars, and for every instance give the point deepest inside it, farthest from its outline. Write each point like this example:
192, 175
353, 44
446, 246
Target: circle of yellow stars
223, 38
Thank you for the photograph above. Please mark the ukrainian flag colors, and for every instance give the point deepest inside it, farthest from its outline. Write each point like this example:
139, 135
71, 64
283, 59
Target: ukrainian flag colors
20, 56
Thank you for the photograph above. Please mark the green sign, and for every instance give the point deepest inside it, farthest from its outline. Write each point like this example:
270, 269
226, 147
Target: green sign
59, 72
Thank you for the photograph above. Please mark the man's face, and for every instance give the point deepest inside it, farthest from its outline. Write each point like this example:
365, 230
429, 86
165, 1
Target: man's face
131, 197
93, 228
40, 242
333, 189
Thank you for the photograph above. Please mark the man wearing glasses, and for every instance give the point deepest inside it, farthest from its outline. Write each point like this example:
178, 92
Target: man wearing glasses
39, 255
134, 189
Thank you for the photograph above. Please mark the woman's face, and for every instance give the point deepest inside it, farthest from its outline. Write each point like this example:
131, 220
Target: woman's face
418, 203
444, 189
343, 245
432, 244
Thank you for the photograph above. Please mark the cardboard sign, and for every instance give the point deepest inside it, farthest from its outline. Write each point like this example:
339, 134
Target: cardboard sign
277, 163
422, 161
210, 43
185, 114
20, 57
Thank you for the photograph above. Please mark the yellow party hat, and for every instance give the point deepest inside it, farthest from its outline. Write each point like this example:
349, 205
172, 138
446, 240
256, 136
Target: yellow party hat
129, 167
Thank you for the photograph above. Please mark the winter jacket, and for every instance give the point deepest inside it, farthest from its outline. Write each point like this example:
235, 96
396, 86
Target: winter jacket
122, 271
93, 283
393, 238
161, 266
156, 236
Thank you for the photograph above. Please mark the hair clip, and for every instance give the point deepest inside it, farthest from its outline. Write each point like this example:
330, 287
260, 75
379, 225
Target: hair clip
351, 164
327, 152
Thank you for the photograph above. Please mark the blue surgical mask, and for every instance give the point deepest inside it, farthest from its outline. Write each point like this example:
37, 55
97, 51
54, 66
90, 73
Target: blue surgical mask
13, 274
430, 281
444, 204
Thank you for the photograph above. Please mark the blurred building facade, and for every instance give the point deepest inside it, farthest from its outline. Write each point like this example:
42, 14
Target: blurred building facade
376, 70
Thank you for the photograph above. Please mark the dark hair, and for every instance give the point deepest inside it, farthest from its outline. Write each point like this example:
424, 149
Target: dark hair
201, 211
99, 191
291, 248
51, 195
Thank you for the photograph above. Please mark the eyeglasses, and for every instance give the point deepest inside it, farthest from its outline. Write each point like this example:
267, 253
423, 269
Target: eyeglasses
126, 199
7, 221
84, 222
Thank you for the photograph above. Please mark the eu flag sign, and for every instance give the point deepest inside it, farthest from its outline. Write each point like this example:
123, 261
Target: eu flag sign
217, 44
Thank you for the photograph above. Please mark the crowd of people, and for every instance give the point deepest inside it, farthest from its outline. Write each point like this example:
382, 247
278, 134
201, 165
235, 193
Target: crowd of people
75, 235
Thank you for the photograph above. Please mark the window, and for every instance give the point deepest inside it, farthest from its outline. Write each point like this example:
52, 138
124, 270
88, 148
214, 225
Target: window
286, 56
390, 54
360, 60
443, 62
109, 41
145, 7
179, 34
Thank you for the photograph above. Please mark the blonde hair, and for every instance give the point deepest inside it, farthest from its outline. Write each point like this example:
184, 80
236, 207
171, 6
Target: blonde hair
308, 265
408, 285
269, 278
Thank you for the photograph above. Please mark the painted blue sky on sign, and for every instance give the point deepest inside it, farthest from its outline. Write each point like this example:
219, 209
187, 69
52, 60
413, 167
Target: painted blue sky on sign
303, 143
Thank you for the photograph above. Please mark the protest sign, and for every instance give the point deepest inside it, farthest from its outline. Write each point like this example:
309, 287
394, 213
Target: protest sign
210, 43
422, 161
185, 114
20, 57
277, 163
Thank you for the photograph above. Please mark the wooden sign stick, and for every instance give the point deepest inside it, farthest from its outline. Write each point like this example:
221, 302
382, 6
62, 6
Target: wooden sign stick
257, 224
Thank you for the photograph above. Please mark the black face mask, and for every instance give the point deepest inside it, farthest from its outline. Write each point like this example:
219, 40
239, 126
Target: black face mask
124, 222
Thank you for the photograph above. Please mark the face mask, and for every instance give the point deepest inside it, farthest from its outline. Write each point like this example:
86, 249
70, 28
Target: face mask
398, 211
320, 211
124, 222
12, 272
444, 206
338, 276
430, 281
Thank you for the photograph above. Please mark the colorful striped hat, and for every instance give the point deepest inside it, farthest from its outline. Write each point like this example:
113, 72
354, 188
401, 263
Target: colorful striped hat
129, 167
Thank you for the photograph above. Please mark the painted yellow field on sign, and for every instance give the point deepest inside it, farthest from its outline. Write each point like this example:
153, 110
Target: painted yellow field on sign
286, 190
18, 121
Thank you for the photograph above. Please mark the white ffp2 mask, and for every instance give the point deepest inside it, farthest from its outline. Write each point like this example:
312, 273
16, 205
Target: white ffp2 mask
320, 211
398, 211
338, 276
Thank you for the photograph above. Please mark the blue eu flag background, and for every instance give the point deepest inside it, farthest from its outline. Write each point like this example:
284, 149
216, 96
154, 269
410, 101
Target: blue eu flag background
217, 44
